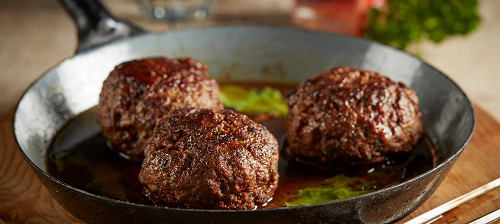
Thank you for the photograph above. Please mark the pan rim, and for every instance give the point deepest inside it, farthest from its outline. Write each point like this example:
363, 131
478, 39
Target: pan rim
263, 210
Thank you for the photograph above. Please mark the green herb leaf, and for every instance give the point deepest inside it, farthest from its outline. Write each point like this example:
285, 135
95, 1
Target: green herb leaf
405, 22
335, 188
251, 101
342, 186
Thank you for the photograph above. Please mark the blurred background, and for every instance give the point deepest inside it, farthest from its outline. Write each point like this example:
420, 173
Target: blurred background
459, 37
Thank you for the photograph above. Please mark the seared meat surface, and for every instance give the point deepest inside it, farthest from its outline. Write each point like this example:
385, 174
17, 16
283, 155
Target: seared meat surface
137, 93
347, 116
205, 159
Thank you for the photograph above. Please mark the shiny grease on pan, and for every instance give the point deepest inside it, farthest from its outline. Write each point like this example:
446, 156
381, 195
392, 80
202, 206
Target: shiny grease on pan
104, 172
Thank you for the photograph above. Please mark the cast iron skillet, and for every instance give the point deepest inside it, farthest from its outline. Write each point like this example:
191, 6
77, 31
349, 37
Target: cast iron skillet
241, 53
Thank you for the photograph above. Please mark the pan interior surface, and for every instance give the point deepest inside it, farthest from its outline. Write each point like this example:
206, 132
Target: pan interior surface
239, 53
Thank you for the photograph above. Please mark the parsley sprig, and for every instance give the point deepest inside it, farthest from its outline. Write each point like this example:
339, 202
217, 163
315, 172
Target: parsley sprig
409, 21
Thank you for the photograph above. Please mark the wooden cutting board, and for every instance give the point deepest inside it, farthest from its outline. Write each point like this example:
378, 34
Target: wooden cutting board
23, 198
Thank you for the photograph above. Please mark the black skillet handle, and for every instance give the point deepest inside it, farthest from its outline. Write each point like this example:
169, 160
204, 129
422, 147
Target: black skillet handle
95, 24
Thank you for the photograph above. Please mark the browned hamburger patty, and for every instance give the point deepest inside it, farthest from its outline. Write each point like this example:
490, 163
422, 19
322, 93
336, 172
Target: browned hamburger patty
348, 116
137, 93
199, 158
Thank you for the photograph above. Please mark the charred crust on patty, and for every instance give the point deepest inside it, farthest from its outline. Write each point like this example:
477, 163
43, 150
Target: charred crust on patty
138, 92
205, 159
348, 116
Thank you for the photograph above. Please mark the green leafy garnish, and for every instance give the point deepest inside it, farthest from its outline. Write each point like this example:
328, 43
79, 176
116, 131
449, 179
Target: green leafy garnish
335, 188
410, 21
252, 101
342, 186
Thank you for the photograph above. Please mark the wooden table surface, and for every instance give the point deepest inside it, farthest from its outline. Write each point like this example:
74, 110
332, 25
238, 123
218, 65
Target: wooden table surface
37, 34
23, 198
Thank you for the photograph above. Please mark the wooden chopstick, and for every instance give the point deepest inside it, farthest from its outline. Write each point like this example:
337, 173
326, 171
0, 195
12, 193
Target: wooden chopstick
432, 214
487, 218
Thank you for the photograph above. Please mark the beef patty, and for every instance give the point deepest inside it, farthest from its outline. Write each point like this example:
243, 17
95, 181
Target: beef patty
203, 159
137, 93
347, 116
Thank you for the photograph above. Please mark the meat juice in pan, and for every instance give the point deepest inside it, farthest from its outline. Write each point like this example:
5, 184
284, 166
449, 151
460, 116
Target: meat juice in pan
80, 156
